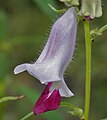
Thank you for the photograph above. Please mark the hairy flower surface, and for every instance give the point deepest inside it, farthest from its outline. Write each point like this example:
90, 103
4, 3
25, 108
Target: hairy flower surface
53, 61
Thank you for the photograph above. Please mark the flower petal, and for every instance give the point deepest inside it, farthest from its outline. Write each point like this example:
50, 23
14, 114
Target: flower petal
47, 102
20, 68
64, 90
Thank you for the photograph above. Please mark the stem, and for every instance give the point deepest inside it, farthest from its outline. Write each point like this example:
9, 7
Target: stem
103, 28
88, 69
11, 98
68, 105
75, 111
27, 116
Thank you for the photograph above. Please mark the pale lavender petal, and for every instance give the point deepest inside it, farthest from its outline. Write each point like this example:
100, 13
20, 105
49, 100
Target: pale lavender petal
62, 87
64, 90
20, 68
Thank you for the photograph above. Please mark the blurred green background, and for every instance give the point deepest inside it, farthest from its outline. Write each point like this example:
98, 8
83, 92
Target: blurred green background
24, 28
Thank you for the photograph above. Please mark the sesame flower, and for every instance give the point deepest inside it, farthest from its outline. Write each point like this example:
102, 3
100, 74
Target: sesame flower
49, 68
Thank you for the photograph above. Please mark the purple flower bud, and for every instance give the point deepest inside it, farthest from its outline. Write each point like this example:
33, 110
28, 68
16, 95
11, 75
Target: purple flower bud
53, 61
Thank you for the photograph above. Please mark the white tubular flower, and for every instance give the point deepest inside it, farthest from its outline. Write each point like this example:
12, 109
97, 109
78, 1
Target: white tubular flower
91, 8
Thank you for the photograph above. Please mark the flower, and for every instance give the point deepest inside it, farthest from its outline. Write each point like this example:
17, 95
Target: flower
91, 8
53, 61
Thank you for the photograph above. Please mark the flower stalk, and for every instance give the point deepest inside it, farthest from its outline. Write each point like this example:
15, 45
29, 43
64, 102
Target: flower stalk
27, 116
88, 69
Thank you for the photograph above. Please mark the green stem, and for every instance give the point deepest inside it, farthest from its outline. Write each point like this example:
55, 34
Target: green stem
103, 29
88, 69
27, 116
11, 98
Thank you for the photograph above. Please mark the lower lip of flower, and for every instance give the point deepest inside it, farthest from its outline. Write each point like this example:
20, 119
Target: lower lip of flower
47, 101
